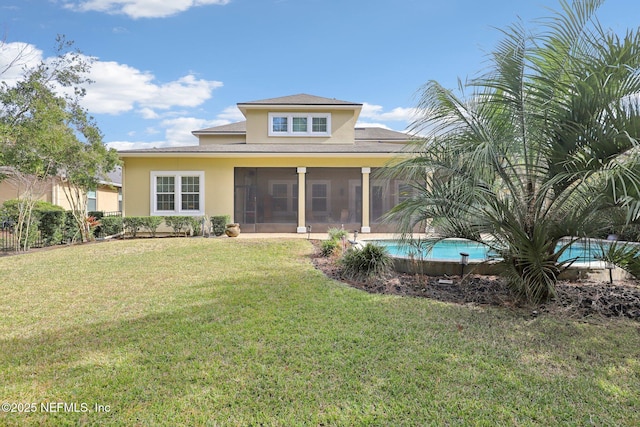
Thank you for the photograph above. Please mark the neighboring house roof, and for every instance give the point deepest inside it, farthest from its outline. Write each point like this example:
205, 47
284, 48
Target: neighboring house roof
114, 178
300, 99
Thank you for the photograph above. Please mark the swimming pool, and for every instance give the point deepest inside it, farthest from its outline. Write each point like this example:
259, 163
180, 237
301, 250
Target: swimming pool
450, 249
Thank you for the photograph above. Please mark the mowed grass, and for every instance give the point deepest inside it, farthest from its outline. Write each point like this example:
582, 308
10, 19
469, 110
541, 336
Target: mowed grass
227, 332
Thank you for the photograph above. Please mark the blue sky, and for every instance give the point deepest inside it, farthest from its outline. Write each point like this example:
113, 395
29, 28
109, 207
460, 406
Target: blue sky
164, 68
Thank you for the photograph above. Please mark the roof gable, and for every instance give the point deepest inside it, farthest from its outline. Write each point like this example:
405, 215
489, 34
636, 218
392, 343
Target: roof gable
300, 99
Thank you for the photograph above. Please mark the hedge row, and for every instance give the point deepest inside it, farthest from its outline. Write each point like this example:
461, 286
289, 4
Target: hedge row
53, 225
181, 225
49, 223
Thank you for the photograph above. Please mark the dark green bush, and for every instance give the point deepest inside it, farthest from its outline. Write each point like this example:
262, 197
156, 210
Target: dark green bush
219, 224
52, 225
365, 263
47, 221
111, 225
71, 231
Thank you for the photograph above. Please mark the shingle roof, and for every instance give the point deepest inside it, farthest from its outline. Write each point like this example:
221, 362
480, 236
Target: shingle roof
361, 134
238, 128
360, 147
114, 177
380, 134
299, 99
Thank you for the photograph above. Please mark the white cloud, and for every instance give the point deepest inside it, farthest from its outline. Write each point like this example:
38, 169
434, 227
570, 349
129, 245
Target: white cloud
118, 88
178, 131
140, 8
128, 145
398, 114
360, 124
148, 113
14, 58
232, 114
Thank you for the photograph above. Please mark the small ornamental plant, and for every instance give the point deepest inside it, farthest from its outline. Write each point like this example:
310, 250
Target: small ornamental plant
365, 263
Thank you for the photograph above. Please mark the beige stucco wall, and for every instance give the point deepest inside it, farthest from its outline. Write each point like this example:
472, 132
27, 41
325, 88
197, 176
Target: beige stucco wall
107, 198
9, 190
218, 177
343, 124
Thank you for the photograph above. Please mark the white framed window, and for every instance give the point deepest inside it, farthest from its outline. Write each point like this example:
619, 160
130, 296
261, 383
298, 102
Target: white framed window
319, 196
177, 193
92, 201
284, 196
299, 124
404, 191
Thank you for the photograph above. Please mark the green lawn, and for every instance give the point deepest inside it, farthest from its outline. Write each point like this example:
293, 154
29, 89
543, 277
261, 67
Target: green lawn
227, 332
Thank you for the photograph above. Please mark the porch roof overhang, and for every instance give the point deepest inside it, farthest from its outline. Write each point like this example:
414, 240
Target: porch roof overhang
243, 150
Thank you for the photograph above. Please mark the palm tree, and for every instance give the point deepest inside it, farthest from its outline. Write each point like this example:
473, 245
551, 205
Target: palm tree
541, 149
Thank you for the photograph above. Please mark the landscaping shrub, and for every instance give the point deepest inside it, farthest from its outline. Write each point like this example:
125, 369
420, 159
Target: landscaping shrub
46, 218
365, 263
219, 223
328, 247
133, 224
196, 225
71, 231
178, 223
151, 223
51, 226
337, 234
111, 225
97, 220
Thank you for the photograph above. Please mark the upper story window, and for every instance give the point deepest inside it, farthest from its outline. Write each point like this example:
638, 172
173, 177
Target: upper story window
299, 124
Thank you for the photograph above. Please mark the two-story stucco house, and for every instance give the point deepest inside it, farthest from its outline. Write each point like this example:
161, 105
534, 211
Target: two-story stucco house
296, 161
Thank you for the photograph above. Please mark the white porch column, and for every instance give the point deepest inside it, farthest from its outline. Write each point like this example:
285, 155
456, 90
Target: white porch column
302, 221
366, 228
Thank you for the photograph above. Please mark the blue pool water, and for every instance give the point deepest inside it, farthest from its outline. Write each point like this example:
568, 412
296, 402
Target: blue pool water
449, 250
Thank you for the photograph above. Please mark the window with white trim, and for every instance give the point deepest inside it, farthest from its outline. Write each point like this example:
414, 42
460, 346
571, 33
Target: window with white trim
319, 196
299, 124
284, 196
92, 201
404, 191
177, 193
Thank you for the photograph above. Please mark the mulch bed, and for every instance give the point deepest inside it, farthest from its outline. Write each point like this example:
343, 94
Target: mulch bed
579, 299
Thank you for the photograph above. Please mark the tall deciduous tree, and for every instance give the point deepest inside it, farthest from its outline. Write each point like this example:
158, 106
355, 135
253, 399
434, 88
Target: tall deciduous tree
542, 147
45, 133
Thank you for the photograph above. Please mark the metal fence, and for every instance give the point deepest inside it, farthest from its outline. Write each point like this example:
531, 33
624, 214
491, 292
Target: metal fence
9, 238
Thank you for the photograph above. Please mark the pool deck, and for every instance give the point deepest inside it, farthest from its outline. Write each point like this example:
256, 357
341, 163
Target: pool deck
315, 236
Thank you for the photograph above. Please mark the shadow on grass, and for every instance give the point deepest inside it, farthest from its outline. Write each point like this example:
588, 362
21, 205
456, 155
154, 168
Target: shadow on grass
311, 351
